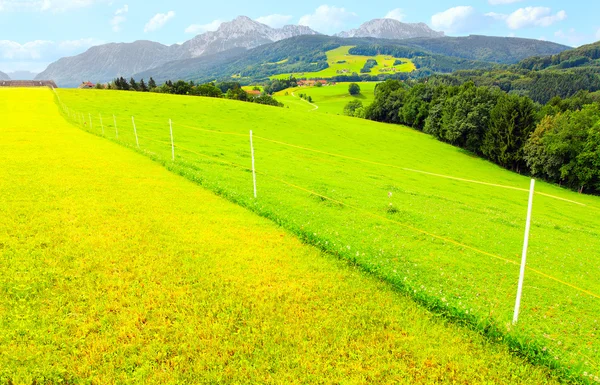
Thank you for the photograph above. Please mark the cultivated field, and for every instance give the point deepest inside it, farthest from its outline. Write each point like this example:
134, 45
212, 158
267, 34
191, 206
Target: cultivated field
116, 271
341, 62
450, 234
329, 99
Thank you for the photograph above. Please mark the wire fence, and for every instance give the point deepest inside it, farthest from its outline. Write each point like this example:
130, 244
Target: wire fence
452, 243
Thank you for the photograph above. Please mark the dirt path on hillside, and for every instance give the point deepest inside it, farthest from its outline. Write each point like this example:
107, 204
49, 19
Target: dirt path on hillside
312, 104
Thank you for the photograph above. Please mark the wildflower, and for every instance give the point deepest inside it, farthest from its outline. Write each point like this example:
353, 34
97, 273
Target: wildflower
390, 194
585, 374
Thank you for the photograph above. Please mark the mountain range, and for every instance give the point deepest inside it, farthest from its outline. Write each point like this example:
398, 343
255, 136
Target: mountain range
105, 62
230, 42
4, 76
308, 54
22, 75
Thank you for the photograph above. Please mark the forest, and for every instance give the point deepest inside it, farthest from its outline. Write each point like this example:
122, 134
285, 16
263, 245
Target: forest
558, 141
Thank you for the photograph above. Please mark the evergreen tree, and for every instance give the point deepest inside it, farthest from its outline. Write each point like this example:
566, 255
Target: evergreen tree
512, 121
124, 84
143, 86
133, 85
151, 83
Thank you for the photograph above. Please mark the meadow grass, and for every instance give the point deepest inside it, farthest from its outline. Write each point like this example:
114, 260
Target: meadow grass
331, 99
453, 245
341, 62
116, 271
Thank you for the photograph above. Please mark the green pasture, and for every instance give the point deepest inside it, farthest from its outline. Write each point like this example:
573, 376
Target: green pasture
438, 224
115, 271
341, 62
330, 99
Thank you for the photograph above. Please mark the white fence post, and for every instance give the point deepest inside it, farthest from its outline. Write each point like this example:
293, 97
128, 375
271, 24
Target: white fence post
116, 129
524, 258
172, 142
101, 124
135, 132
253, 167
90, 116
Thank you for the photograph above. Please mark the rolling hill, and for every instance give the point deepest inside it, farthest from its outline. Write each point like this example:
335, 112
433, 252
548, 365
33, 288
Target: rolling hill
502, 50
393, 201
309, 54
543, 77
584, 56
123, 272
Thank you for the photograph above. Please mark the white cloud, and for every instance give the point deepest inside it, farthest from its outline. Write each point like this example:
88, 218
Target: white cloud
70, 46
36, 55
572, 37
30, 50
327, 18
456, 20
119, 18
396, 14
45, 5
497, 16
201, 28
275, 21
503, 2
158, 21
534, 17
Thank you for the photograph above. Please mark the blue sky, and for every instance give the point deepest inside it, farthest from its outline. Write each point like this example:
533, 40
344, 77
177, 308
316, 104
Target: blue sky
34, 33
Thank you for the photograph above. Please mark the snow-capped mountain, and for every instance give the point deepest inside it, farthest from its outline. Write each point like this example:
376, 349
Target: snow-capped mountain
391, 29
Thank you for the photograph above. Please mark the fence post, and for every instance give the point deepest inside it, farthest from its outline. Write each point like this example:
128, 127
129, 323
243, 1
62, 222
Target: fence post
172, 142
135, 132
116, 129
90, 116
101, 124
253, 167
524, 257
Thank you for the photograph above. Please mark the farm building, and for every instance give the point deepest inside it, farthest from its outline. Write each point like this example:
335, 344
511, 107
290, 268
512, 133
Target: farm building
28, 83
310, 83
86, 85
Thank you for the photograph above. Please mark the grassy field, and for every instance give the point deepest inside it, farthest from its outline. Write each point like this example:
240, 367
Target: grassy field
251, 88
116, 271
451, 244
329, 99
341, 62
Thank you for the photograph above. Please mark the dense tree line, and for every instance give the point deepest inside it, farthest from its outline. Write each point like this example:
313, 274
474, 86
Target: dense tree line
559, 142
368, 66
227, 90
272, 86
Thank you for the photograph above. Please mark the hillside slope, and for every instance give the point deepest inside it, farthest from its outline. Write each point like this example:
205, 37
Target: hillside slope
584, 56
4, 76
122, 272
504, 50
308, 54
442, 226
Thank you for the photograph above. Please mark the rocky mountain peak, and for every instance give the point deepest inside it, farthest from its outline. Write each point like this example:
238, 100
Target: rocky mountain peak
391, 29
